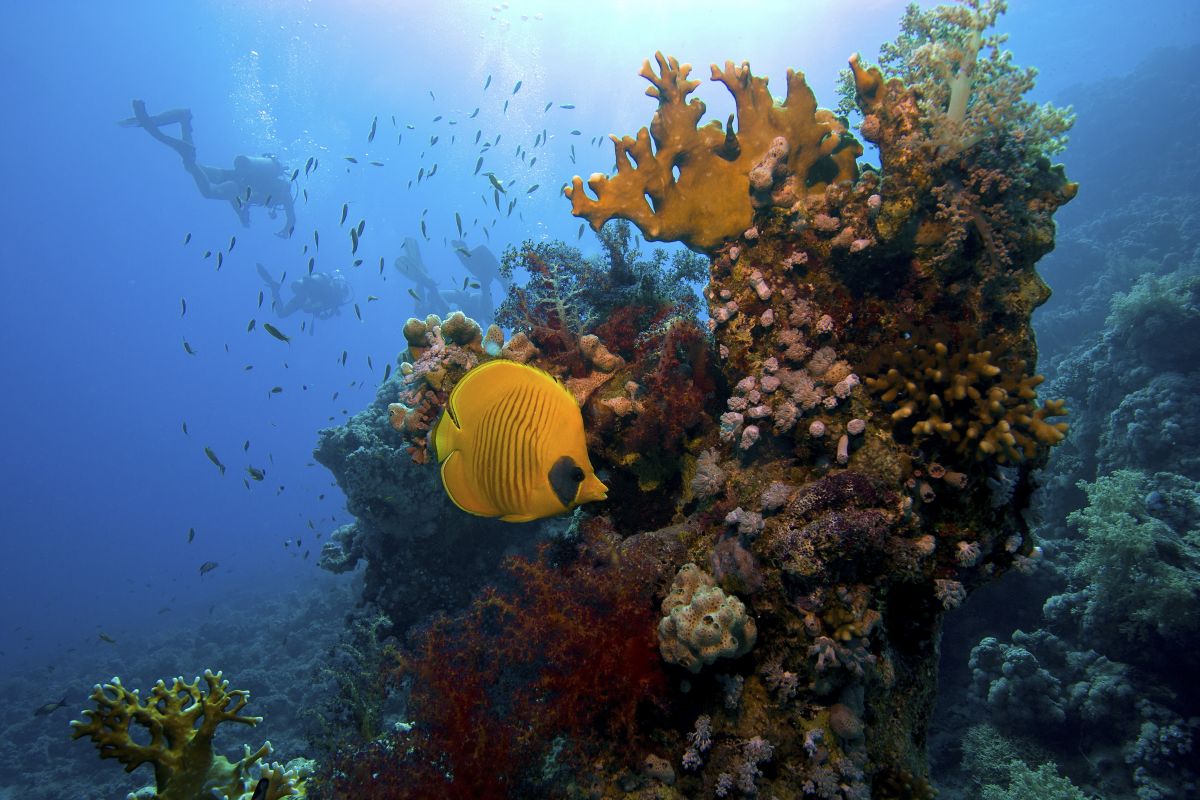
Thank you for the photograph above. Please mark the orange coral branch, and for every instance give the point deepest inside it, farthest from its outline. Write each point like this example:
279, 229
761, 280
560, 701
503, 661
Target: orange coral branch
694, 184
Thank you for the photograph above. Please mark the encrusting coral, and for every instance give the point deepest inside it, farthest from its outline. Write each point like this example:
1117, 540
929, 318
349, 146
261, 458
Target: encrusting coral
181, 721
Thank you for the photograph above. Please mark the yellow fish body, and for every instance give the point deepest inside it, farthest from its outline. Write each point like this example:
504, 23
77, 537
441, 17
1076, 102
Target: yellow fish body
511, 445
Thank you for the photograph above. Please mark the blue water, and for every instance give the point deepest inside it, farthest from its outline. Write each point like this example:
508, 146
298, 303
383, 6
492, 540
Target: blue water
100, 483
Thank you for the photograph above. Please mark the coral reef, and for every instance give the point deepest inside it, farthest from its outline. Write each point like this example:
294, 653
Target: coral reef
179, 724
849, 446
1140, 563
1112, 512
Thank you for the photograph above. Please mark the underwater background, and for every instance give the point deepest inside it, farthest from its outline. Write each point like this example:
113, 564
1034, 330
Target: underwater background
164, 512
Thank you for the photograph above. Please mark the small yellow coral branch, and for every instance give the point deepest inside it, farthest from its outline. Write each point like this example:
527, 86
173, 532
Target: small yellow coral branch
181, 721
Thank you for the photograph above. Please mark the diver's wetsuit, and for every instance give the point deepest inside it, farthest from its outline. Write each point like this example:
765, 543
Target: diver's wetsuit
320, 294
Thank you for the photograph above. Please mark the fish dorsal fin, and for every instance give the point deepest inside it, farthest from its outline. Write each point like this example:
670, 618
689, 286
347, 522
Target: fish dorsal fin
501, 376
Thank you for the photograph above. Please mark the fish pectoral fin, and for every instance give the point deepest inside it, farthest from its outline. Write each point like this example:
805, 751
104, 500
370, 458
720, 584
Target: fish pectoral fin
460, 487
518, 518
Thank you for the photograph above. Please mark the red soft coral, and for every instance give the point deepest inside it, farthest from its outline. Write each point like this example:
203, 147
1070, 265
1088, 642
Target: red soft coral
569, 655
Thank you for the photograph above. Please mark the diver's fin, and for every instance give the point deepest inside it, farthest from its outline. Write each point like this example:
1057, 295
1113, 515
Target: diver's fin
266, 276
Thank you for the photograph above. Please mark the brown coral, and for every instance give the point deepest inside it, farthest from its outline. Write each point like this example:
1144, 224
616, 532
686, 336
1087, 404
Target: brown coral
709, 200
965, 399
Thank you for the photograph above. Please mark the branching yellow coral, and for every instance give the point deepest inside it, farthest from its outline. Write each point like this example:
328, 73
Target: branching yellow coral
968, 401
709, 200
181, 721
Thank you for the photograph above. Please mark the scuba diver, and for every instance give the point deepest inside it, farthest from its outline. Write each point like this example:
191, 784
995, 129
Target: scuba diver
253, 181
480, 262
321, 294
428, 298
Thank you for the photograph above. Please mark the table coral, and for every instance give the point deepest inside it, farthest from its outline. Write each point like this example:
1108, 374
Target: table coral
181, 721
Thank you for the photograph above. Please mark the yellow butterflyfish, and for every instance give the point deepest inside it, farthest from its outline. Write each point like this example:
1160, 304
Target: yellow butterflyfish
511, 445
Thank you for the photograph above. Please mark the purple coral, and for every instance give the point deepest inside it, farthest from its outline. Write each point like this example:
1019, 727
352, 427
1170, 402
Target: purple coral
759, 285
772, 166
754, 752
813, 739
784, 683
731, 425
949, 593
749, 437
774, 496
749, 523
735, 566
699, 741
